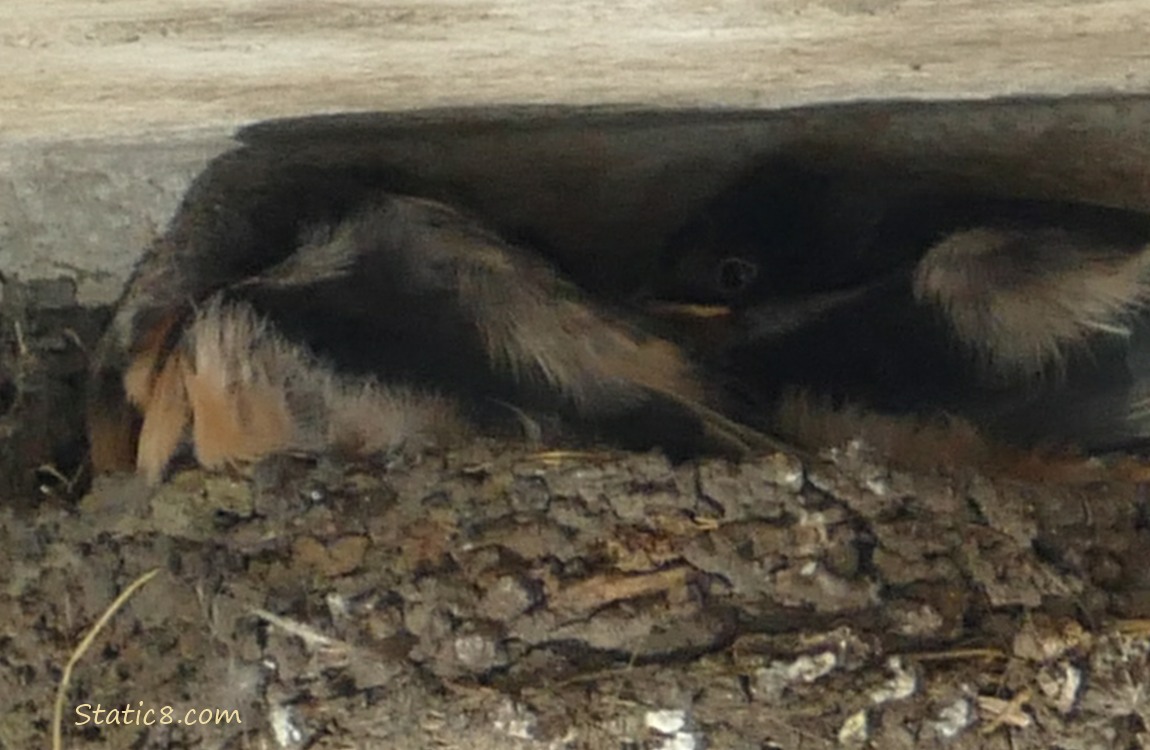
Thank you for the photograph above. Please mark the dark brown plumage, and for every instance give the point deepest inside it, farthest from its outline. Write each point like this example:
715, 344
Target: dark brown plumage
1019, 322
346, 317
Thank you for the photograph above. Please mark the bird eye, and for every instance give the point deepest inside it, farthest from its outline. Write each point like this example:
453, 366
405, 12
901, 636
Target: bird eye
735, 275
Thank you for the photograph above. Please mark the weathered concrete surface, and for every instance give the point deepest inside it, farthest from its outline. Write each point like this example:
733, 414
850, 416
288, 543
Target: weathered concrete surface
599, 188
107, 109
77, 68
85, 210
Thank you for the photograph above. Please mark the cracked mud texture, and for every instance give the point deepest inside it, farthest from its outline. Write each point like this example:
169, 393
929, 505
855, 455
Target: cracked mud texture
496, 597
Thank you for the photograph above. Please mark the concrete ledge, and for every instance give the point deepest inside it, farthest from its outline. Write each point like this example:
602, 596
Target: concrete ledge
79, 69
107, 110
598, 187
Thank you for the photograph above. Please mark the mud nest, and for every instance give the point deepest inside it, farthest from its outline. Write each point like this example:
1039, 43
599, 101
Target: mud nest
499, 598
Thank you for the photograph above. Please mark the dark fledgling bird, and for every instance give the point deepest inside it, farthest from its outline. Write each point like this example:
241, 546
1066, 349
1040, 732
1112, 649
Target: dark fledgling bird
934, 321
314, 313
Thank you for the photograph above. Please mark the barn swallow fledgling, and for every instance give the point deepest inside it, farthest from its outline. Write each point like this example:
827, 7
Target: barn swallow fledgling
378, 321
237, 390
1016, 352
996, 320
1023, 299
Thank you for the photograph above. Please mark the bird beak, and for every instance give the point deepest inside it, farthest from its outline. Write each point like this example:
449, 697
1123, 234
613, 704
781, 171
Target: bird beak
686, 311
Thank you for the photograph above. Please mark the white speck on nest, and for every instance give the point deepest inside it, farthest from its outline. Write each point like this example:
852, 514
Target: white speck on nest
786, 472
515, 720
337, 605
285, 726
671, 723
902, 683
679, 741
953, 719
772, 680
855, 730
667, 721
474, 650
1060, 683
